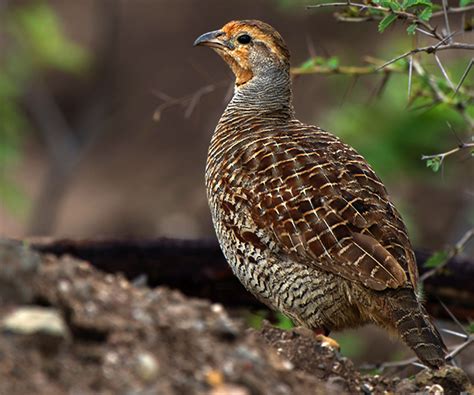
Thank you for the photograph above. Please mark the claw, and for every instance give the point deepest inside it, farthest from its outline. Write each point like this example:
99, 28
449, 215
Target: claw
327, 341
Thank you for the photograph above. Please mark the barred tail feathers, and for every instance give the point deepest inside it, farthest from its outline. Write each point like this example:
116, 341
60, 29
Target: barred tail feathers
416, 328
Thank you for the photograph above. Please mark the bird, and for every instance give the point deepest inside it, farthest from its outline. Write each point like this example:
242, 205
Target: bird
301, 217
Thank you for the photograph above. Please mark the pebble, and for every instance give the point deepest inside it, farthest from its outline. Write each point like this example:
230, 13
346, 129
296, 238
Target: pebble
434, 389
147, 367
217, 308
229, 389
31, 320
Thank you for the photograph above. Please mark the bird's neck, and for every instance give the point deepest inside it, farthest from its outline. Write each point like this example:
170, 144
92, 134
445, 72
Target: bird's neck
266, 94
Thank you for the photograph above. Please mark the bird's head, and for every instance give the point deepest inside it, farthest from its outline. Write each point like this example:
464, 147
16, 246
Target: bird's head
251, 48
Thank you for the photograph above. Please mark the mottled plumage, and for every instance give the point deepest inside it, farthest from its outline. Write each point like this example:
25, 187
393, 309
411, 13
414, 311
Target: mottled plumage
303, 220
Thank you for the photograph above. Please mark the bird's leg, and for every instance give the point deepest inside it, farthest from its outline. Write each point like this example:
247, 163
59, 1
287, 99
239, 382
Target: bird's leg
322, 335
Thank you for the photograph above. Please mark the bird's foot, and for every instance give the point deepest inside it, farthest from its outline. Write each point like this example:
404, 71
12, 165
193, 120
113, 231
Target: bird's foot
321, 335
327, 341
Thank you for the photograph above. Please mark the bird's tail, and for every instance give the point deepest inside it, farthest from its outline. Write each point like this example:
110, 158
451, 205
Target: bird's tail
416, 328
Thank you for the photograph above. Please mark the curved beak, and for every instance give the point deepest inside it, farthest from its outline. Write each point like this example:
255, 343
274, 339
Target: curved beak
214, 39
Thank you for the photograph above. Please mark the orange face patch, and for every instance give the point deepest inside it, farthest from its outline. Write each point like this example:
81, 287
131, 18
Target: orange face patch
238, 57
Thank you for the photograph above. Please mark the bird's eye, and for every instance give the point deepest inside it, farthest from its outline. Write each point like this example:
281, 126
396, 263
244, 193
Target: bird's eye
244, 39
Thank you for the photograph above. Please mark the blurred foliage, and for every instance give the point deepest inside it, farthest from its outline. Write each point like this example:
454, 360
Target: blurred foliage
437, 259
351, 344
34, 42
284, 322
255, 319
391, 136
421, 99
470, 327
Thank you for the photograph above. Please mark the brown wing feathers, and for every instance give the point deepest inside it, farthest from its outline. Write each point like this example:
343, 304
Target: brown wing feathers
315, 207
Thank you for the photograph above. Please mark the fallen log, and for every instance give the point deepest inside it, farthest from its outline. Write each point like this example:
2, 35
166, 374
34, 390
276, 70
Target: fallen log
198, 268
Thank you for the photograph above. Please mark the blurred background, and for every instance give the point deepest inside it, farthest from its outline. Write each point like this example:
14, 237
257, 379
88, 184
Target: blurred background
106, 111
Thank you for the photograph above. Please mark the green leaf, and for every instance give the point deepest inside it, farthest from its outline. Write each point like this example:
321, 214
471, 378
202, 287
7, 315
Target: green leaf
470, 327
416, 3
425, 15
314, 61
386, 22
333, 62
437, 259
465, 3
284, 322
307, 64
434, 163
386, 3
395, 6
255, 319
411, 29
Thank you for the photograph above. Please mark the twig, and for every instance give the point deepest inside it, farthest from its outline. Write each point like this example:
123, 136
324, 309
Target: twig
463, 333
443, 71
443, 155
425, 32
345, 70
189, 101
439, 95
453, 10
430, 49
459, 348
464, 75
456, 249
402, 14
410, 74
446, 19
454, 333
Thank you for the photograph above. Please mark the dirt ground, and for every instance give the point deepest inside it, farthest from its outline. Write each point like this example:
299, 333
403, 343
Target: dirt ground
66, 327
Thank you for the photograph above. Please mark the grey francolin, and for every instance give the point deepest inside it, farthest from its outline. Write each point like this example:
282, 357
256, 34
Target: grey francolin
302, 219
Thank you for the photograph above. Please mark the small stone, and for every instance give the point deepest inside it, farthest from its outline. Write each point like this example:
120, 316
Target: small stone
367, 388
90, 308
217, 308
229, 389
111, 358
250, 355
435, 389
287, 365
225, 328
147, 367
31, 320
64, 286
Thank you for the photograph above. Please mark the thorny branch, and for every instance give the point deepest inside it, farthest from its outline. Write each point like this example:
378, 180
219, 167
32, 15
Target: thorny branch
436, 161
430, 49
189, 101
383, 10
450, 253
420, 22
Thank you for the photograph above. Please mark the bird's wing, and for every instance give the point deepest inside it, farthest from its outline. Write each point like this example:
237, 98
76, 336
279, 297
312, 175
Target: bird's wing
321, 203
